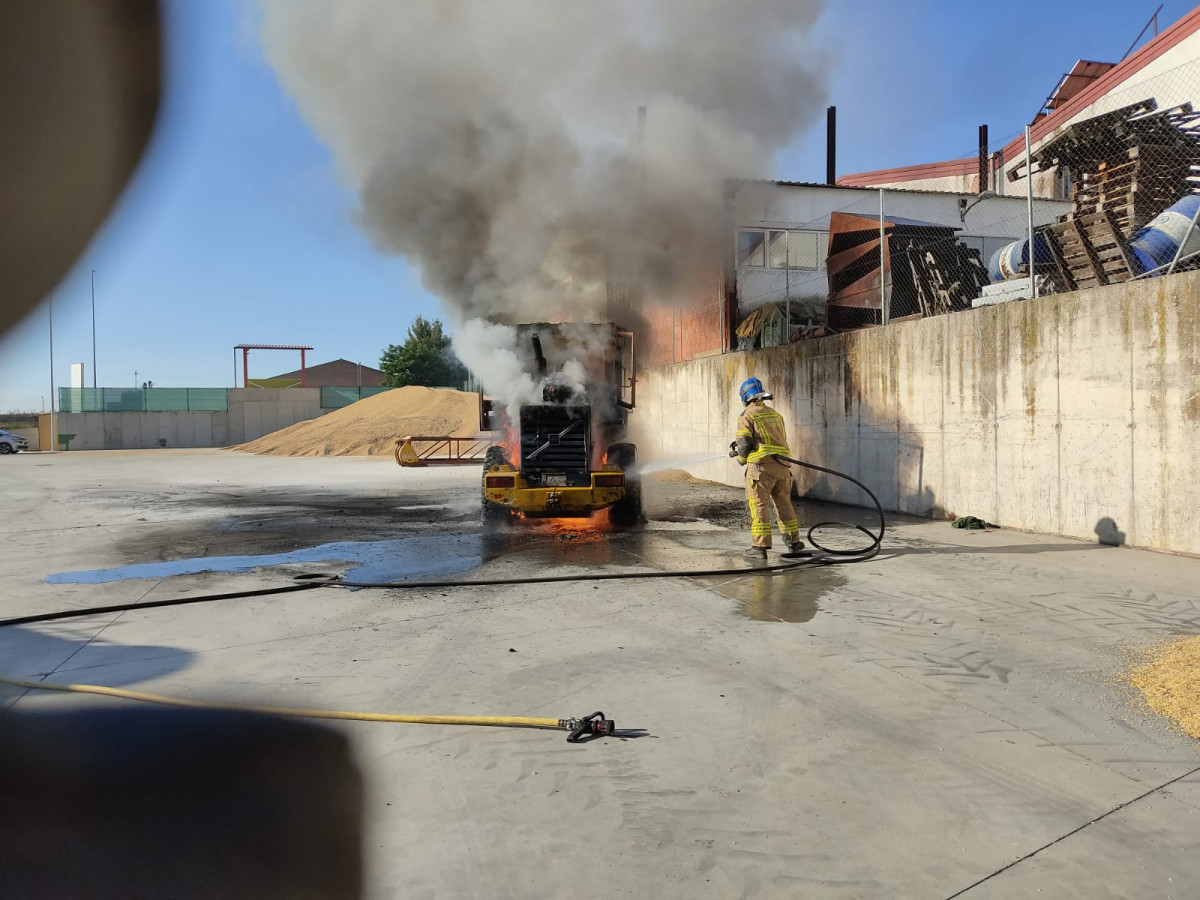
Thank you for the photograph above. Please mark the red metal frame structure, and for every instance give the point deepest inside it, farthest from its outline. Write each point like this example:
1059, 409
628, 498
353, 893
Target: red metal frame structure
246, 348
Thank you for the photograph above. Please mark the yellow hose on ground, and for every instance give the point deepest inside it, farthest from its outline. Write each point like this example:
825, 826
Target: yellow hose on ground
508, 721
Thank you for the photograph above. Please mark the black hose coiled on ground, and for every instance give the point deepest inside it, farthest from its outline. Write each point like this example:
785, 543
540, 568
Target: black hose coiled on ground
876, 539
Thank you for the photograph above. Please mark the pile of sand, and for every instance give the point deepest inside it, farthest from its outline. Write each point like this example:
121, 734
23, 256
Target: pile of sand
1169, 679
372, 425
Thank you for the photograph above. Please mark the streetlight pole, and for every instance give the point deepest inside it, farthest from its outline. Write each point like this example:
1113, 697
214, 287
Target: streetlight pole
93, 330
53, 428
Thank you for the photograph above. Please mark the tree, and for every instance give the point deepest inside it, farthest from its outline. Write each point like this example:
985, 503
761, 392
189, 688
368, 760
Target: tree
425, 358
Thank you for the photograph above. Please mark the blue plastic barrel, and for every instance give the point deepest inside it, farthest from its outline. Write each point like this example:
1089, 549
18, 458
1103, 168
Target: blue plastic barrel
1007, 261
1157, 243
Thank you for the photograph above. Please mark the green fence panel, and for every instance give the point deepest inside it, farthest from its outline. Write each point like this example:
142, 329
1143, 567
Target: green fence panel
166, 399
122, 400
208, 399
72, 400
337, 397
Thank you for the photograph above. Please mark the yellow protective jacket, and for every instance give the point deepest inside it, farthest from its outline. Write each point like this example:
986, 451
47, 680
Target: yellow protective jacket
764, 426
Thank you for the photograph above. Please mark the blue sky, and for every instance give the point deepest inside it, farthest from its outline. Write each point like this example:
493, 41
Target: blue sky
237, 229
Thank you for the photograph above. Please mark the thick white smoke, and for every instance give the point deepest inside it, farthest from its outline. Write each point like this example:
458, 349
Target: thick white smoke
493, 142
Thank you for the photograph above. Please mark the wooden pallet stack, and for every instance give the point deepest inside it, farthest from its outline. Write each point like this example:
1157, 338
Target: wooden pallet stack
1135, 186
946, 276
1128, 166
1090, 250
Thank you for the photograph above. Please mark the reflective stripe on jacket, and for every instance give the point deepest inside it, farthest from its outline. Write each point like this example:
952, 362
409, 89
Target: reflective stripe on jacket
765, 426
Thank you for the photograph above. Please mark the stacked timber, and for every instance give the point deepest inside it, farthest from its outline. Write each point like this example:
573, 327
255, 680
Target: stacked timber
1126, 167
946, 276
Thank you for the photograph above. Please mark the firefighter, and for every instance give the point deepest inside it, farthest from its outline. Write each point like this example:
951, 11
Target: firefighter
760, 436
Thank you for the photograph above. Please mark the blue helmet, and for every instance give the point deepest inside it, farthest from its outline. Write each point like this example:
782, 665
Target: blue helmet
751, 390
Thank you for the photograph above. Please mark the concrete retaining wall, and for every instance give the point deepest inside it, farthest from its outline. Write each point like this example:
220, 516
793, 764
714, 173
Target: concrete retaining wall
1076, 414
252, 413
30, 434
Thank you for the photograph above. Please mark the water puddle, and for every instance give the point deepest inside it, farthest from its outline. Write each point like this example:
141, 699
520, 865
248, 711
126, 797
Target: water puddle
788, 597
389, 560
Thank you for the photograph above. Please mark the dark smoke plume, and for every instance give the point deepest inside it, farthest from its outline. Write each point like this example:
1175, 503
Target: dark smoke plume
493, 142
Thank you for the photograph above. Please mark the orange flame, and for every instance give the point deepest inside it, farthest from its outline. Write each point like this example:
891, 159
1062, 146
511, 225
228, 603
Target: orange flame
512, 446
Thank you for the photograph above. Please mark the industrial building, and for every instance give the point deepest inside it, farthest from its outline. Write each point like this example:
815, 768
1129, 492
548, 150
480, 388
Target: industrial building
336, 373
1114, 149
1165, 70
779, 253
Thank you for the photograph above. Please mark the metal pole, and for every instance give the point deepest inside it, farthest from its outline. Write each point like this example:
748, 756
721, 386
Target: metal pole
884, 312
93, 330
787, 285
831, 145
53, 417
1029, 204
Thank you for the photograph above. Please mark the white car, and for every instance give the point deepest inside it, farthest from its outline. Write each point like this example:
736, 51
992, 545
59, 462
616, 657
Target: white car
12, 443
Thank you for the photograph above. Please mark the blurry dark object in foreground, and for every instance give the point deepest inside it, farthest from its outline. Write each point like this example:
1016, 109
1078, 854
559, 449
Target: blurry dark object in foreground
137, 803
133, 803
79, 91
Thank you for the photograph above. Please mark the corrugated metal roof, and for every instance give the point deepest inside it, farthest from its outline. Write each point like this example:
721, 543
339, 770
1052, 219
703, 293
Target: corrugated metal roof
871, 189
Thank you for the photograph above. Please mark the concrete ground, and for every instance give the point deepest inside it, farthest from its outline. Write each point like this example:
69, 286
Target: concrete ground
941, 721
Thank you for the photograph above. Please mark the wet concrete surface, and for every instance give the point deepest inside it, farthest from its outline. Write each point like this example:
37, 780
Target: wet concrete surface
908, 726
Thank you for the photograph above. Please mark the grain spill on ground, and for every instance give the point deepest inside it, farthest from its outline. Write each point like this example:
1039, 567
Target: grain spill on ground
371, 426
1168, 675
677, 476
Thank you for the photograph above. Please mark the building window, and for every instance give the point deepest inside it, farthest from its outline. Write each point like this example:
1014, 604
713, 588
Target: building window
751, 251
804, 250
777, 250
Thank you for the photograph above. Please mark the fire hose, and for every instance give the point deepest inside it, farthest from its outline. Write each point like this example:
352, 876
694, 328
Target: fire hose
860, 554
308, 582
578, 728
876, 539
593, 724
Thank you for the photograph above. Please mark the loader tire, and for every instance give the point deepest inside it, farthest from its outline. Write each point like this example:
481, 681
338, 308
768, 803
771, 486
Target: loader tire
495, 456
493, 514
627, 512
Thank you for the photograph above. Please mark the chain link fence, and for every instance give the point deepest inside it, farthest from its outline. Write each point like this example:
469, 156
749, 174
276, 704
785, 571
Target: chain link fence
1104, 192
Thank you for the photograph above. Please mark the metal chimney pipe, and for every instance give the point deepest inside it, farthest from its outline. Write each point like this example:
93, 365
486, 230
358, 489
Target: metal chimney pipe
983, 159
831, 145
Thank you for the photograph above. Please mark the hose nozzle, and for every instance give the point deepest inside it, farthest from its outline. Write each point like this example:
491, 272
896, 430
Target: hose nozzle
595, 724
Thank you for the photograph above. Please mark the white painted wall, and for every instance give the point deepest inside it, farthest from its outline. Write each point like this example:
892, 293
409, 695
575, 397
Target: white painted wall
1063, 415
